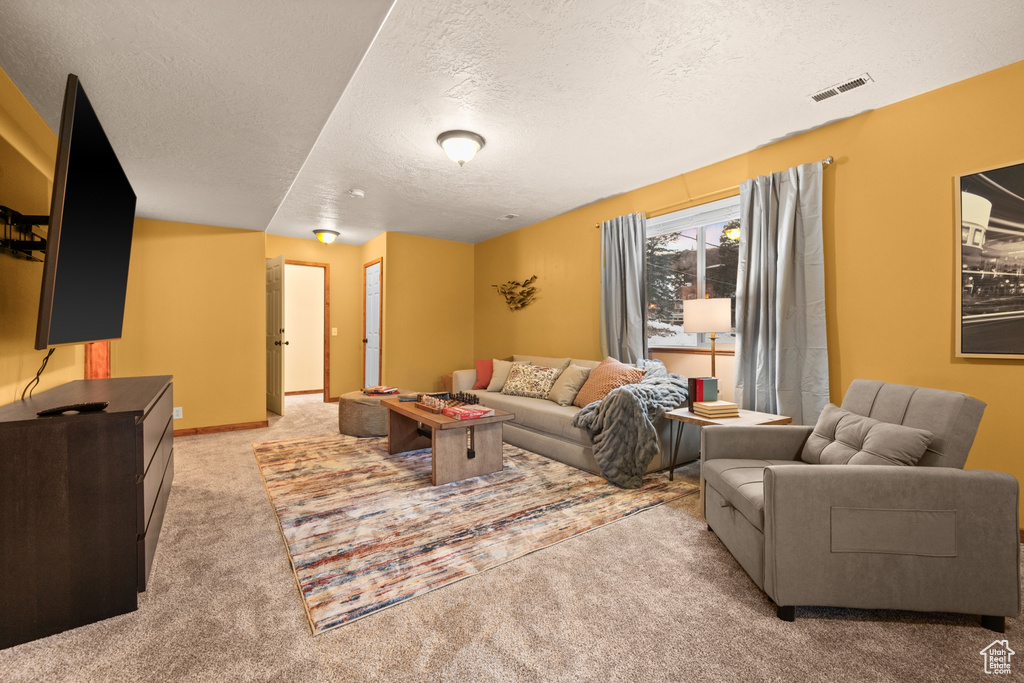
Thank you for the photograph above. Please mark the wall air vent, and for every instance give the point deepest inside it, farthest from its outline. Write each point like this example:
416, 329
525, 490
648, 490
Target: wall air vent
863, 79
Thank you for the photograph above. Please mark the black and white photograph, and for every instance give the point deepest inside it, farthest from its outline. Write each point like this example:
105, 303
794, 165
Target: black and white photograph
991, 320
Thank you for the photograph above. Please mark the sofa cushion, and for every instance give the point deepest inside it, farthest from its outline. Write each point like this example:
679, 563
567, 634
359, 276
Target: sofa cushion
484, 370
532, 381
584, 363
568, 384
741, 482
543, 361
844, 438
499, 376
538, 415
610, 374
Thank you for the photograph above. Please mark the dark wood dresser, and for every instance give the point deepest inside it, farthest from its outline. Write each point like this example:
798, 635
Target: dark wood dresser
82, 499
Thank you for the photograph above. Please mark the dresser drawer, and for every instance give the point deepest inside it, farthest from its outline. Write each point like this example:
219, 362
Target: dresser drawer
146, 542
150, 486
154, 425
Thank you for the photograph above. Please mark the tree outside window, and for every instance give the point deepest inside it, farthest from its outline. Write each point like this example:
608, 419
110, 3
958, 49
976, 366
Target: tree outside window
688, 263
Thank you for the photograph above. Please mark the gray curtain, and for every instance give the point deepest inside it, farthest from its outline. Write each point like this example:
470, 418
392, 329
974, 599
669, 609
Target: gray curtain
624, 288
781, 353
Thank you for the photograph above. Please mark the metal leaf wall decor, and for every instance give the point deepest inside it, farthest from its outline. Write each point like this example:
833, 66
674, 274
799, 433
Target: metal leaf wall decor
518, 294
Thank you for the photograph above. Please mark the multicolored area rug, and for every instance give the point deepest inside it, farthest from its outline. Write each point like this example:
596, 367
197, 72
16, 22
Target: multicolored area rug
366, 530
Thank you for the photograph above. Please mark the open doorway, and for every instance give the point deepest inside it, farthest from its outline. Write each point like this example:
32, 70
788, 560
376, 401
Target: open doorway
307, 321
308, 324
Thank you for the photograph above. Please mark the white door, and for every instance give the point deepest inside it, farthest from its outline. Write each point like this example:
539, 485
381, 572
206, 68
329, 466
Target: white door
371, 329
304, 320
275, 335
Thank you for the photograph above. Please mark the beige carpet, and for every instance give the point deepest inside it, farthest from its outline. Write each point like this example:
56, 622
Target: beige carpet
654, 597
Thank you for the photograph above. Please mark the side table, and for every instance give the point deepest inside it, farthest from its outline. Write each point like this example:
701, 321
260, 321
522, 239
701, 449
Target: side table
746, 418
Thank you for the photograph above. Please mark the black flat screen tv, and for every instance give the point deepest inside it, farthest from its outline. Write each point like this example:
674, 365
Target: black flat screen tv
89, 242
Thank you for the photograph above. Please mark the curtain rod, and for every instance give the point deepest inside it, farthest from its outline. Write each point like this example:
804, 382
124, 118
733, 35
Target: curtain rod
827, 161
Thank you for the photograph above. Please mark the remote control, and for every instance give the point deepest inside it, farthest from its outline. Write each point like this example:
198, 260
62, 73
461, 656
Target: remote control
90, 407
407, 399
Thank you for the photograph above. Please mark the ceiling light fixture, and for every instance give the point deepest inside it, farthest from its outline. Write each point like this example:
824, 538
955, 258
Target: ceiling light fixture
460, 145
326, 236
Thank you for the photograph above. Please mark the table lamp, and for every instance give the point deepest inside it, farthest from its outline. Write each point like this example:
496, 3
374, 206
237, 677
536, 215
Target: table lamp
707, 315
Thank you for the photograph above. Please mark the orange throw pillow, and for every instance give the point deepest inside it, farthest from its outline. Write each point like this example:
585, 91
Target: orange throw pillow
610, 374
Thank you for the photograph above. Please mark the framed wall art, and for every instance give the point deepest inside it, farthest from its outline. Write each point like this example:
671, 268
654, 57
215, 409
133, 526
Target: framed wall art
990, 304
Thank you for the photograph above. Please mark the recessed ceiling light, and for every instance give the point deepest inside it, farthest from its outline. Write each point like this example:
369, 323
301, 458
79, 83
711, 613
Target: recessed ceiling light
356, 193
460, 145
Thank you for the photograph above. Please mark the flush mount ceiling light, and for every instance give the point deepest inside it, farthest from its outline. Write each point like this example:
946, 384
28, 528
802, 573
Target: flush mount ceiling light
460, 145
326, 236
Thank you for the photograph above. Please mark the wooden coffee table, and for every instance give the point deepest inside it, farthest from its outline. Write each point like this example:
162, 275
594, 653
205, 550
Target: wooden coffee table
460, 449
746, 418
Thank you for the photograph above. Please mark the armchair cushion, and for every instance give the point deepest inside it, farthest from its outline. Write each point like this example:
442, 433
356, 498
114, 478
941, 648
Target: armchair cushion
844, 438
740, 482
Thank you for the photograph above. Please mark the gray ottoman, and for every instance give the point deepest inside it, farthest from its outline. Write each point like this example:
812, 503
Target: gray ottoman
362, 415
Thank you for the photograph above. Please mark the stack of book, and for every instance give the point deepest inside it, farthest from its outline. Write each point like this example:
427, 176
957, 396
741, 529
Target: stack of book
467, 412
379, 390
701, 389
714, 410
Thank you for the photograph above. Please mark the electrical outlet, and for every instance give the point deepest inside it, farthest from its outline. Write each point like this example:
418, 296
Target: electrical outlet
177, 413
334, 331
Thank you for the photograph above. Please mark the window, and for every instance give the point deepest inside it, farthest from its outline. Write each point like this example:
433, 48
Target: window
691, 253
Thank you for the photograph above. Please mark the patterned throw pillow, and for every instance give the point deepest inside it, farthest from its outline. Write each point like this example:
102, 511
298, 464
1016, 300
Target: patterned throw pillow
531, 381
610, 374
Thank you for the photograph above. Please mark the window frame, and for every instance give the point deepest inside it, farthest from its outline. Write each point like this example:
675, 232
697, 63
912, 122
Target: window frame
697, 217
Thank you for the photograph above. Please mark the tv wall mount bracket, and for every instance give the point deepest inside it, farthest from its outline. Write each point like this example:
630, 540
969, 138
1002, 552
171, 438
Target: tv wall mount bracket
18, 238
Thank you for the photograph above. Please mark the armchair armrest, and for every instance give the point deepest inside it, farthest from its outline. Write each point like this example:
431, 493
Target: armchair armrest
915, 538
463, 380
755, 442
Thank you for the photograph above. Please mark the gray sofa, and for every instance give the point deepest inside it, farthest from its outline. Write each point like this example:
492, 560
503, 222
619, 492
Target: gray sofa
544, 427
931, 537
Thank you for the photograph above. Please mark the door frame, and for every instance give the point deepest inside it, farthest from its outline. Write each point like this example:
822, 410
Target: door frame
380, 320
327, 327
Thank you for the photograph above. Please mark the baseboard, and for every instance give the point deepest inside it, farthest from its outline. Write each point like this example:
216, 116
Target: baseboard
217, 429
304, 392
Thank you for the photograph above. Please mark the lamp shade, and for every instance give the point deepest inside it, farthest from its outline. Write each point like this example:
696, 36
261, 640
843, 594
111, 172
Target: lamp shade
707, 315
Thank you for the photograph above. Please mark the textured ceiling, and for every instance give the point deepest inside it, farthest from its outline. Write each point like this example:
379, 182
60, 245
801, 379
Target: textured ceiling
237, 113
211, 105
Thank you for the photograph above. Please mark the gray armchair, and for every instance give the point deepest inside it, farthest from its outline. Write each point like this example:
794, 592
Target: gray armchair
931, 537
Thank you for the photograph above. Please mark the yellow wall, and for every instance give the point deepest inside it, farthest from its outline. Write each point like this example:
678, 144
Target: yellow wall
346, 290
196, 310
428, 310
890, 238
28, 150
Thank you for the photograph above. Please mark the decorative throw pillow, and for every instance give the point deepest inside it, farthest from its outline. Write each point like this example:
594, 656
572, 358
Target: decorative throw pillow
844, 438
484, 370
653, 366
531, 381
610, 374
500, 373
568, 384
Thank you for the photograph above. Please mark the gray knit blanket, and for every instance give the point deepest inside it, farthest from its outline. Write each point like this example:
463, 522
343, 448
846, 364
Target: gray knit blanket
622, 426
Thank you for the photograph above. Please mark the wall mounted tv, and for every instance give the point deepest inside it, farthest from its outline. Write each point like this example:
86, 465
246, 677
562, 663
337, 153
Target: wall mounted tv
88, 245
